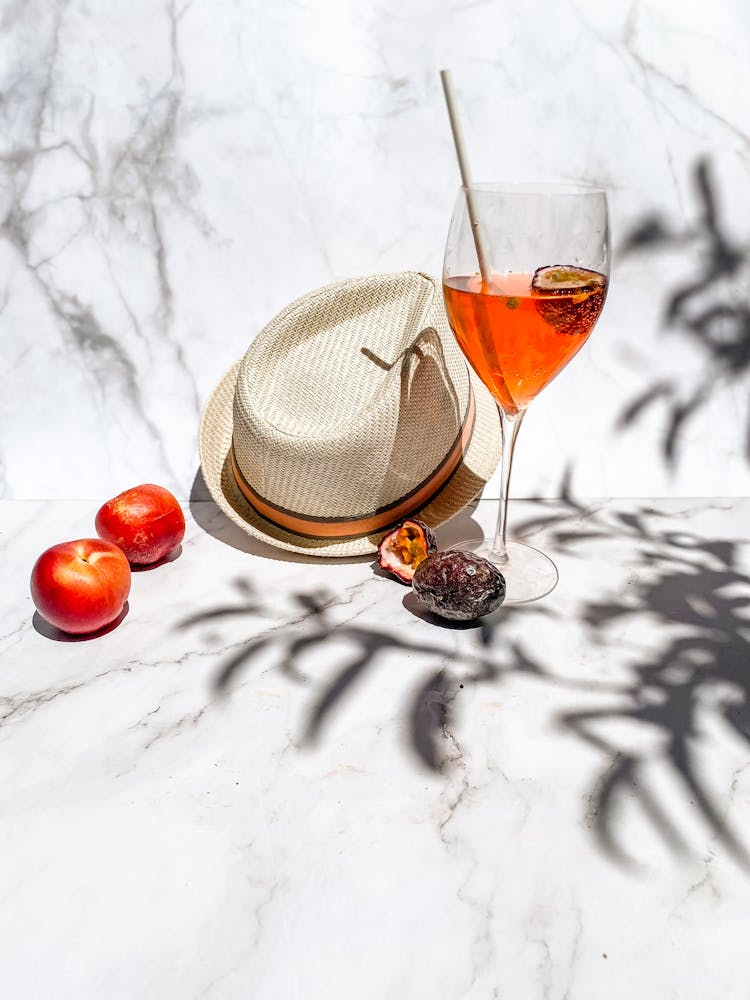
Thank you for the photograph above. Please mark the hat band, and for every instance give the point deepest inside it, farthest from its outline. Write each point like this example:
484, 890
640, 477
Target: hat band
355, 527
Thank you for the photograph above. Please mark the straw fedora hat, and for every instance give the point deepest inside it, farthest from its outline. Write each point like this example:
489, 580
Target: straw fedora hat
351, 410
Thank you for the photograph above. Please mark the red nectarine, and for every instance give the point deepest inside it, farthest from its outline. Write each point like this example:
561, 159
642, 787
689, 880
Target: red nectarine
146, 522
81, 586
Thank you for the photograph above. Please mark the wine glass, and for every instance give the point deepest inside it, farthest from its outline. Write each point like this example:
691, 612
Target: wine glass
524, 279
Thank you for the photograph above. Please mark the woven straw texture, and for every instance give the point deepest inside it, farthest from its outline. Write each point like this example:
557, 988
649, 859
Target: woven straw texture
348, 400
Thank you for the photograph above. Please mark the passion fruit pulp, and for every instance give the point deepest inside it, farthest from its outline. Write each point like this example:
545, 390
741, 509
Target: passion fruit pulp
405, 547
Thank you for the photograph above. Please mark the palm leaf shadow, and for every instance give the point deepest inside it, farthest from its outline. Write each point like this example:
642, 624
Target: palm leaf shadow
709, 311
431, 715
683, 582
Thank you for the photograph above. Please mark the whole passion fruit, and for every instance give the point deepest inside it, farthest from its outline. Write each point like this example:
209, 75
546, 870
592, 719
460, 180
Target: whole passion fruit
459, 585
404, 548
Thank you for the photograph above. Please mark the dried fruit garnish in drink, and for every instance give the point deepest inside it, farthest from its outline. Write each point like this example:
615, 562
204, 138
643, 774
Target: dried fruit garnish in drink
569, 298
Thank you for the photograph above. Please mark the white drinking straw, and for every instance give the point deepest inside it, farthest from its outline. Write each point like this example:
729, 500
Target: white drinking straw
463, 166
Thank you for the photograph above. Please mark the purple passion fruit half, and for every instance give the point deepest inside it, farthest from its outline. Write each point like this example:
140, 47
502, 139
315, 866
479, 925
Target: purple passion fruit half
405, 547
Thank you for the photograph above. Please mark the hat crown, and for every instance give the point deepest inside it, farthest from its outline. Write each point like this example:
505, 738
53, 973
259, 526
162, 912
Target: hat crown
350, 399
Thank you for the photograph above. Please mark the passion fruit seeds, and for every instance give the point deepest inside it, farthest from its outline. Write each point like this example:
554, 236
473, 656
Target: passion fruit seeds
403, 549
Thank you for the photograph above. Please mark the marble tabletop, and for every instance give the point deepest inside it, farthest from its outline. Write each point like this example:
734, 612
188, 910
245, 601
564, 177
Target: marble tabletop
275, 778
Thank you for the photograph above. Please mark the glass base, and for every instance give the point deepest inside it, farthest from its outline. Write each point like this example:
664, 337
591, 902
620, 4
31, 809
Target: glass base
529, 574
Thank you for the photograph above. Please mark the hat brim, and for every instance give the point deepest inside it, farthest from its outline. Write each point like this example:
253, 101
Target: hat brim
479, 462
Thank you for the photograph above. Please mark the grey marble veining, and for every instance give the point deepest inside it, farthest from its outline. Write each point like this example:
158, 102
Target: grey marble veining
172, 174
276, 777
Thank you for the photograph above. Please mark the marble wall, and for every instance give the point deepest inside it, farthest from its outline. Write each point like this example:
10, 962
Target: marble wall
174, 172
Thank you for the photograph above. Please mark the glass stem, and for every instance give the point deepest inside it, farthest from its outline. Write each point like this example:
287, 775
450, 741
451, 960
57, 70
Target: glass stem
510, 425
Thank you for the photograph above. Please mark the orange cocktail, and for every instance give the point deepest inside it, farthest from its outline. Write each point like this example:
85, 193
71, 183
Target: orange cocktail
519, 330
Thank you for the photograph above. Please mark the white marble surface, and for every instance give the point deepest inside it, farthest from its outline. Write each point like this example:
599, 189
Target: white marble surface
198, 805
173, 172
